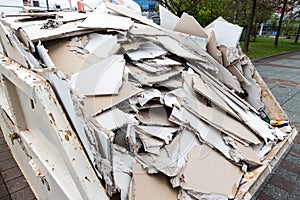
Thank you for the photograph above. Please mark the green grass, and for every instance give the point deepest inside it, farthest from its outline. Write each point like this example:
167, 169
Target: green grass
264, 46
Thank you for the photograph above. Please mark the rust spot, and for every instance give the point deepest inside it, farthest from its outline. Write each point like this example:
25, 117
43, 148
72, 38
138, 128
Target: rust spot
68, 132
52, 121
73, 159
67, 137
86, 178
47, 160
13, 136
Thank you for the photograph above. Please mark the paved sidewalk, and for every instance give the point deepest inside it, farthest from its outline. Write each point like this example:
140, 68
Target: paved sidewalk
282, 75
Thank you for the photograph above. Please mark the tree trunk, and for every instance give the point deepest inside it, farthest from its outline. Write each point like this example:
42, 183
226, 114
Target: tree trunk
280, 23
297, 35
249, 28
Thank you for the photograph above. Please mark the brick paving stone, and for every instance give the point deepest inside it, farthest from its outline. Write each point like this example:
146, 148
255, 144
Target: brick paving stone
16, 184
7, 197
7, 164
295, 152
263, 196
288, 175
11, 173
3, 191
5, 156
290, 166
293, 159
282, 183
24, 194
275, 192
3, 147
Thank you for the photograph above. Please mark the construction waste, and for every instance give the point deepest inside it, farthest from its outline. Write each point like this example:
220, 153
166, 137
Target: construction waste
169, 111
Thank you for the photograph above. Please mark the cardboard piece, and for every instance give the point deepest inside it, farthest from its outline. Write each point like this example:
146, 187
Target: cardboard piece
221, 177
99, 76
189, 25
98, 104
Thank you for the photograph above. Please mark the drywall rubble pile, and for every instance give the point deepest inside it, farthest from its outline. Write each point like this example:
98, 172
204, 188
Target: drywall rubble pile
160, 117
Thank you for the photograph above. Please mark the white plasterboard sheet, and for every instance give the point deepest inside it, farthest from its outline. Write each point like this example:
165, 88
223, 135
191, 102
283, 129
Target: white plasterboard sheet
227, 34
150, 187
142, 29
254, 94
189, 25
151, 144
113, 119
173, 156
167, 19
209, 134
234, 70
151, 68
128, 13
146, 50
102, 45
9, 48
98, 104
164, 133
149, 79
102, 78
43, 53
221, 177
122, 162
210, 26
217, 118
147, 95
206, 90
212, 48
100, 19
252, 120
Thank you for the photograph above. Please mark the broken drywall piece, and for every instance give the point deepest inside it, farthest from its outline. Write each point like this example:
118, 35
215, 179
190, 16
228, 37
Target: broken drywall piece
146, 50
175, 47
99, 19
43, 53
122, 10
144, 30
189, 25
199, 195
229, 55
167, 19
253, 121
237, 73
173, 83
100, 81
216, 118
212, 47
227, 34
98, 104
114, 118
102, 45
221, 177
254, 94
207, 91
163, 133
150, 68
207, 133
172, 157
210, 26
248, 153
147, 95
122, 162
151, 144
149, 79
155, 116
149, 187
